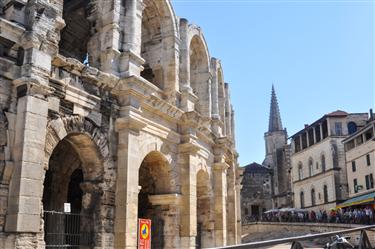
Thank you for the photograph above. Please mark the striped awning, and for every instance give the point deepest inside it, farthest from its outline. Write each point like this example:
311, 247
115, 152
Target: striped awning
358, 200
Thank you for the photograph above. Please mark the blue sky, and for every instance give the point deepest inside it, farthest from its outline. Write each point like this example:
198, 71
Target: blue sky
319, 54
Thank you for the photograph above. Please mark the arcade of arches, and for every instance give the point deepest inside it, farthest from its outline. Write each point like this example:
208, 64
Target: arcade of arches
110, 113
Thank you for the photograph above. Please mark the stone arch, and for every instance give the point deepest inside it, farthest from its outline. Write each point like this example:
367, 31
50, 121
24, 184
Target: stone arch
75, 144
199, 67
158, 43
157, 199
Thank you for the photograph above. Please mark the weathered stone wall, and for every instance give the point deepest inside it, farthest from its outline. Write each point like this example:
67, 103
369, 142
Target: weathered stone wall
114, 83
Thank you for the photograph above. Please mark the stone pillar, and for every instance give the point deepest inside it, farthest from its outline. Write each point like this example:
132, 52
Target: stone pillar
189, 197
107, 40
127, 188
220, 192
130, 59
26, 186
227, 112
128, 126
215, 89
187, 97
231, 207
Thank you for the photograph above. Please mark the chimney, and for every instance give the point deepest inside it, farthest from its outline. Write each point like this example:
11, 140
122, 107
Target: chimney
306, 125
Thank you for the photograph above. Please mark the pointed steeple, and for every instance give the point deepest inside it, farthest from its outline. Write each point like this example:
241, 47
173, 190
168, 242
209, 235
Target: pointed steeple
275, 118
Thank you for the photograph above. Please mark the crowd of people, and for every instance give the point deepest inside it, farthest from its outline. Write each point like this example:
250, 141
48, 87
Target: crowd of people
364, 215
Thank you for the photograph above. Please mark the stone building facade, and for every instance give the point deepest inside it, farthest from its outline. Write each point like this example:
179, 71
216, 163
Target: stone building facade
278, 157
360, 160
117, 108
319, 175
255, 192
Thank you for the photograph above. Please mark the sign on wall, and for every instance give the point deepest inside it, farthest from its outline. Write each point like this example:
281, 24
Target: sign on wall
144, 234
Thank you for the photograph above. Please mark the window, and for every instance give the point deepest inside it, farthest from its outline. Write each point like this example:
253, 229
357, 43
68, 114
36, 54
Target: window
338, 128
369, 181
311, 167
359, 140
323, 159
317, 165
367, 178
312, 197
349, 145
354, 167
325, 193
300, 171
302, 199
368, 161
352, 127
325, 129
355, 184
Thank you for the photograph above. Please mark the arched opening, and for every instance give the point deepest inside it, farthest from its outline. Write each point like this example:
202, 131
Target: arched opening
300, 171
156, 49
352, 127
68, 220
77, 32
154, 181
204, 228
302, 199
313, 197
323, 162
311, 167
199, 74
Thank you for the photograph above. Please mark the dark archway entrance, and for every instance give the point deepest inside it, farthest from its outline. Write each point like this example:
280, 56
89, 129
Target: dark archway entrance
63, 184
154, 181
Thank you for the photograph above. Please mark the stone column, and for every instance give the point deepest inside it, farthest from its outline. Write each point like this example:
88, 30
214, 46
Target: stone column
231, 207
128, 126
215, 89
220, 193
187, 97
227, 112
26, 186
189, 197
106, 42
127, 188
130, 59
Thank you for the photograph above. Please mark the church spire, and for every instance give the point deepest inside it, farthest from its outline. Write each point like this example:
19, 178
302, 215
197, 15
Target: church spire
275, 118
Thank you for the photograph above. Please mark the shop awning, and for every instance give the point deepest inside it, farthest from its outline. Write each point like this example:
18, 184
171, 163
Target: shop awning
358, 200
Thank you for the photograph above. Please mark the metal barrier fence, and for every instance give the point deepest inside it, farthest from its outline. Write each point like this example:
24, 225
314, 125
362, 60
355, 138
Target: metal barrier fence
63, 230
364, 242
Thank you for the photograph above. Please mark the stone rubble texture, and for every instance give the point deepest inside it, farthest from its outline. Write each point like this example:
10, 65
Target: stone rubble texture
128, 93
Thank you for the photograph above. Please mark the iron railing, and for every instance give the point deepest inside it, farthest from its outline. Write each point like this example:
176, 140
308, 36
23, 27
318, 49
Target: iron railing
64, 230
363, 243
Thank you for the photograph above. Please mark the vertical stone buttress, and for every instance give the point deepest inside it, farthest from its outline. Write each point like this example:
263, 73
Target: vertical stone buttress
26, 186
